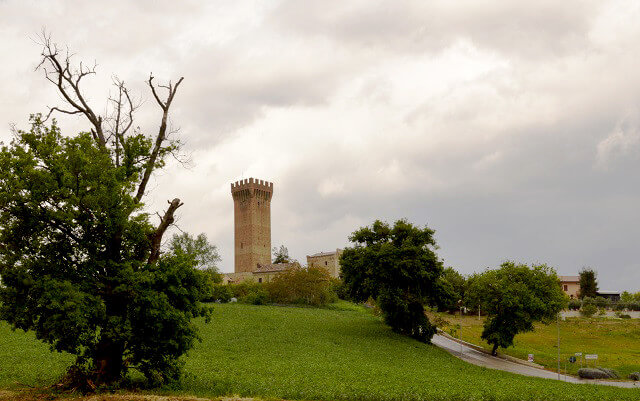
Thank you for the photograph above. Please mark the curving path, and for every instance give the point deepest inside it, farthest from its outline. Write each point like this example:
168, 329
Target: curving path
476, 357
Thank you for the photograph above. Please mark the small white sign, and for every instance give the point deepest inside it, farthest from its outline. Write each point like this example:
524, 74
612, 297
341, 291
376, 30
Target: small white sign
530, 357
591, 356
578, 353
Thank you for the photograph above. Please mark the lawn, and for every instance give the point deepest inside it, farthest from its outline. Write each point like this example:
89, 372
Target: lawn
615, 341
338, 353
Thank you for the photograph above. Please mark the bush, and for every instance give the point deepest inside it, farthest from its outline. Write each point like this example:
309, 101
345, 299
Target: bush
588, 310
574, 304
259, 297
597, 373
601, 302
623, 315
338, 287
249, 292
635, 376
634, 306
221, 292
311, 286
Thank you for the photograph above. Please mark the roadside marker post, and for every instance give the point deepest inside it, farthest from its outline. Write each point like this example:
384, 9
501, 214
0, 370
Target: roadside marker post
593, 357
580, 355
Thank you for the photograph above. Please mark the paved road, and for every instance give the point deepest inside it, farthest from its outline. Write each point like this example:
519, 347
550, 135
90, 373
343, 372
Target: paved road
476, 357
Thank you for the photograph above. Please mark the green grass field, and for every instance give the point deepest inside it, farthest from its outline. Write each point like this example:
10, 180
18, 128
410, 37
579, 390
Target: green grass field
615, 341
339, 353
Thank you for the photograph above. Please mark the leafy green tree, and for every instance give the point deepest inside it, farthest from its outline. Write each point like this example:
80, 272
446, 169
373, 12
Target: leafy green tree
453, 288
205, 255
80, 261
281, 255
398, 267
514, 297
588, 283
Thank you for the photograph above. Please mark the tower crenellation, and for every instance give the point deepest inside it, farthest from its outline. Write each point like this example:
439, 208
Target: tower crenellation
252, 223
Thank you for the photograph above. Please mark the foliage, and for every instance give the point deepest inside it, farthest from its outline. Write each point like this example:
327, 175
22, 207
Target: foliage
311, 286
588, 283
627, 297
588, 310
205, 255
250, 292
452, 290
74, 258
574, 304
514, 297
281, 255
221, 293
602, 302
340, 289
270, 352
398, 267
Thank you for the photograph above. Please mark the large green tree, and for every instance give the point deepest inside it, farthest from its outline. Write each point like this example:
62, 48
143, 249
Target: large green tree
588, 283
452, 290
398, 267
81, 264
515, 296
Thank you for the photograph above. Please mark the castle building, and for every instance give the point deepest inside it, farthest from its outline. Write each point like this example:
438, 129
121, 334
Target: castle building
252, 224
326, 260
252, 233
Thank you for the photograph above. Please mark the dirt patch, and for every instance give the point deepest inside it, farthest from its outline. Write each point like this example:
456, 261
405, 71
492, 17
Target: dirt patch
30, 396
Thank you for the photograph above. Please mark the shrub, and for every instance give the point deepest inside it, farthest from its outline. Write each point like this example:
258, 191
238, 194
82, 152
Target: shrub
588, 310
338, 287
597, 373
311, 286
635, 376
574, 304
221, 292
634, 306
249, 292
601, 302
623, 315
259, 297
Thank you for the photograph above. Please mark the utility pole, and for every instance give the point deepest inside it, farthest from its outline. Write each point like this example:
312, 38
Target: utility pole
558, 324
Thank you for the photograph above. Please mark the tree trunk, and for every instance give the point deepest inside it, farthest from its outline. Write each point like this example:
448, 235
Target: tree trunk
108, 362
494, 351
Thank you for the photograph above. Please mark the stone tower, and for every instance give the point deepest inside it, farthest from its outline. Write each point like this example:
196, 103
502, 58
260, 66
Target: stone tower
252, 223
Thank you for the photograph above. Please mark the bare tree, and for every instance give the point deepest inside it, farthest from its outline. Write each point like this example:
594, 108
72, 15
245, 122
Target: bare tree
114, 131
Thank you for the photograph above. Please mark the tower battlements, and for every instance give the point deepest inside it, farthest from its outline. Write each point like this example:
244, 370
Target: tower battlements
251, 188
251, 183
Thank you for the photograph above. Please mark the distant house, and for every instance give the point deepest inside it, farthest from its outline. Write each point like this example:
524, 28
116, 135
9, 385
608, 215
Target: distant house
613, 296
570, 285
326, 260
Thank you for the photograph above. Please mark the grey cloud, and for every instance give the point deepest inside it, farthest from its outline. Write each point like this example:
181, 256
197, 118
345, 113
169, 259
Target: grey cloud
525, 29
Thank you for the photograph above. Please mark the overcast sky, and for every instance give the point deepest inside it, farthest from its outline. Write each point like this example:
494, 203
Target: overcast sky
511, 128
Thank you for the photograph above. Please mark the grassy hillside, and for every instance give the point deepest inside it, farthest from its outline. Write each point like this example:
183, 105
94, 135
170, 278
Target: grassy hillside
615, 341
324, 354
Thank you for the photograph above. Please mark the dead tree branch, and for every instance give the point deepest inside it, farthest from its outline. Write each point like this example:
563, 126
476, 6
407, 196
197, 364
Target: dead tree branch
165, 222
162, 131
58, 70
